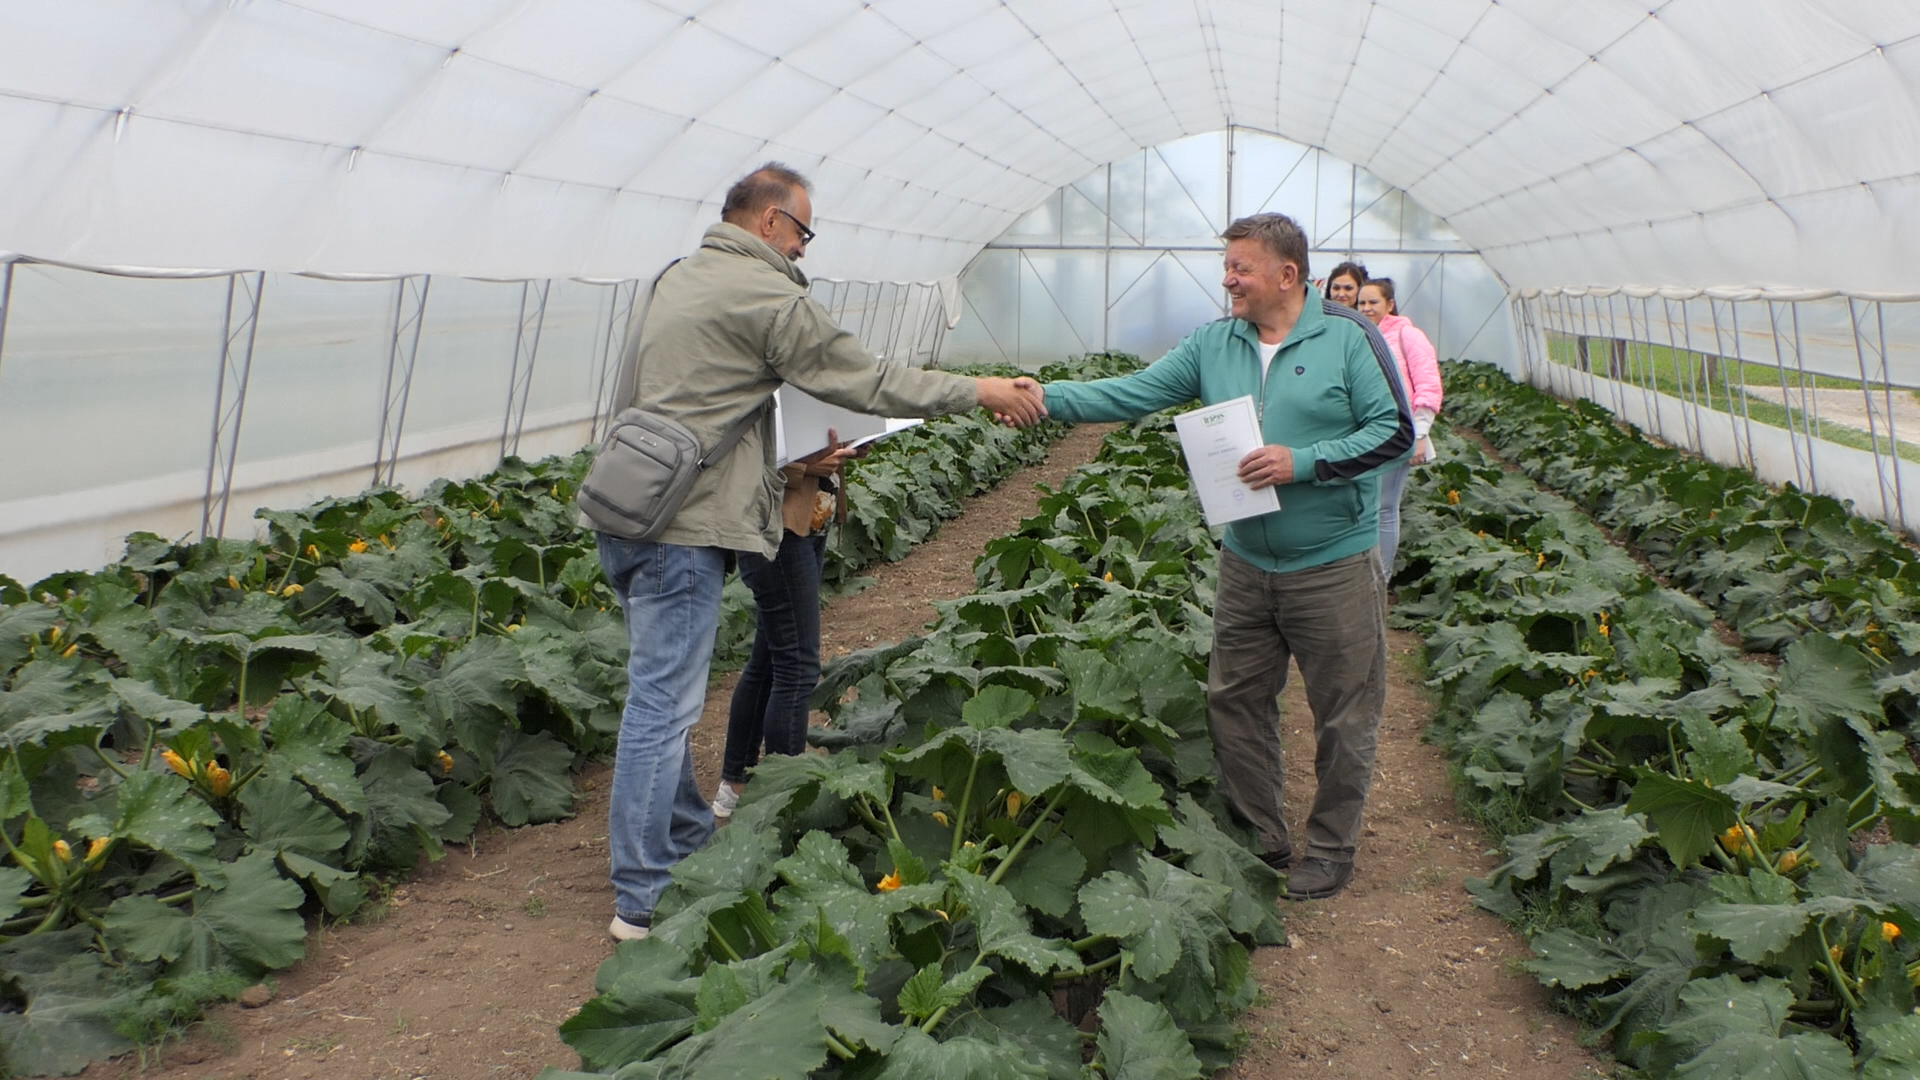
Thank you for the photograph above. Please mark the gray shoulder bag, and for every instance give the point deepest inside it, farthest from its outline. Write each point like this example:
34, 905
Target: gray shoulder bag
646, 466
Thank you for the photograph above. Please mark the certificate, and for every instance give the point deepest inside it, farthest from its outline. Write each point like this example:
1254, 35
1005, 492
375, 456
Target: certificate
1215, 438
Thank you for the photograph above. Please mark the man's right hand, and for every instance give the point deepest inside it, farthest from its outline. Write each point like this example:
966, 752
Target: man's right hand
1018, 402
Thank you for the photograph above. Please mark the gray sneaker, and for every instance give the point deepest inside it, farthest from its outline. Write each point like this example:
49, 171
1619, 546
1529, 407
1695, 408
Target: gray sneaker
725, 798
1318, 878
625, 930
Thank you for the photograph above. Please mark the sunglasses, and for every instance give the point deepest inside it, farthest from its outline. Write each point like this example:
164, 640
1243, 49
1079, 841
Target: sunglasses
806, 234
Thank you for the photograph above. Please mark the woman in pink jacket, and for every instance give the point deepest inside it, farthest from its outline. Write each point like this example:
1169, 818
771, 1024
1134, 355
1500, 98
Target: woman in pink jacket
1420, 376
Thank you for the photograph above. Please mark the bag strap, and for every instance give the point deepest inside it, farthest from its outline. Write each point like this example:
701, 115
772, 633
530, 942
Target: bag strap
628, 376
735, 433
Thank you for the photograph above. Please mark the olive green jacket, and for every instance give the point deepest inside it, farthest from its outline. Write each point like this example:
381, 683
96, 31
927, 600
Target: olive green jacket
727, 326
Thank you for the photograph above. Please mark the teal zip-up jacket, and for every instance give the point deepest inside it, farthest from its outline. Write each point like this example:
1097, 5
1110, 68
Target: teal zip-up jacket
1332, 397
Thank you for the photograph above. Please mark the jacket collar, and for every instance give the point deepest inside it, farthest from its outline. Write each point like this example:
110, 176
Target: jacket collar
1312, 320
733, 240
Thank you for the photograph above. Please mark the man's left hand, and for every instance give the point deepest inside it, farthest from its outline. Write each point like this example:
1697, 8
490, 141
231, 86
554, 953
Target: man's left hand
827, 461
1266, 467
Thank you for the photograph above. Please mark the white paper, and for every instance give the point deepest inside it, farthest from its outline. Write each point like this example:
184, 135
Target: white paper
1215, 438
801, 422
894, 427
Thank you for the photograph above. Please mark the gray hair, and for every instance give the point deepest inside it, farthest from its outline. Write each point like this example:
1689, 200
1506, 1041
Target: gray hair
1280, 233
772, 184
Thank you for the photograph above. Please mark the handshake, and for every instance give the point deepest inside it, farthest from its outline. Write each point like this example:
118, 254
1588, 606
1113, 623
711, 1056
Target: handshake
1015, 402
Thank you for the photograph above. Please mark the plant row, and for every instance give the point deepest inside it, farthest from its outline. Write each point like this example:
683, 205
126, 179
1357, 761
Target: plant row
1682, 823
1773, 563
1010, 863
205, 743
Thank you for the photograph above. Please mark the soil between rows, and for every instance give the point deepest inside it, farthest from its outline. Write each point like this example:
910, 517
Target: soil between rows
467, 969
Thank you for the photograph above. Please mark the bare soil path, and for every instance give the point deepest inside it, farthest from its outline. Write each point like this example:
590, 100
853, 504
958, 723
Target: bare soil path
464, 972
1401, 975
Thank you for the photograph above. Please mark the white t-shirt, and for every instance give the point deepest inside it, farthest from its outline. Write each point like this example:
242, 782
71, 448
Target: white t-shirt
1267, 353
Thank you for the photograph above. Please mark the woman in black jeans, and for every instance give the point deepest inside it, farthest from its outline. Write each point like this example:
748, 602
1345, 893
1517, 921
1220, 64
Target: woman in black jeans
770, 701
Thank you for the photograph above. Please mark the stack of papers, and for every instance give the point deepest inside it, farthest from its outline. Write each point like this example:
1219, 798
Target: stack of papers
801, 422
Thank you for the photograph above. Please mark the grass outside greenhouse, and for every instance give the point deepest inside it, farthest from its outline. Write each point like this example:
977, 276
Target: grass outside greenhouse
1712, 380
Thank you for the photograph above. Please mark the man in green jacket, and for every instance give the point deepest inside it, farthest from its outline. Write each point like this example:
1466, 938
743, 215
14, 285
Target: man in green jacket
727, 326
1301, 582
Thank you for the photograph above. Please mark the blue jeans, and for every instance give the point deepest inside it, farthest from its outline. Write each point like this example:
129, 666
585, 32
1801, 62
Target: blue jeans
1393, 487
770, 701
671, 597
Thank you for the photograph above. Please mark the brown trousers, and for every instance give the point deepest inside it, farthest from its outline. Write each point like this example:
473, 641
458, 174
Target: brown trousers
1330, 620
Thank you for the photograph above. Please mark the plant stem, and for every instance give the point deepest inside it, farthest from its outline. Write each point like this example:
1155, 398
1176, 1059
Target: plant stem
1753, 844
866, 814
109, 762
837, 1048
721, 940
240, 699
1093, 941
960, 817
1038, 819
941, 1013
18, 925
243, 780
891, 827
1833, 969
52, 919
1096, 968
292, 562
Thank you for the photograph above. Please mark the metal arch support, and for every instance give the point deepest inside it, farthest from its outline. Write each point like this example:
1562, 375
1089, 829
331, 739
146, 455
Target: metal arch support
230, 396
1690, 413
6, 302
1525, 327
403, 347
1740, 368
613, 349
1893, 433
1869, 337
1636, 361
526, 348
1802, 455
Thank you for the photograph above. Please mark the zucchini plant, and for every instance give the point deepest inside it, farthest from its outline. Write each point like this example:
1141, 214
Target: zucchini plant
1012, 860
1686, 826
206, 744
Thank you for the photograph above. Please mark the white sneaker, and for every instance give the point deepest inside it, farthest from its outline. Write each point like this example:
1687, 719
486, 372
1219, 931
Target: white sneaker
725, 798
622, 930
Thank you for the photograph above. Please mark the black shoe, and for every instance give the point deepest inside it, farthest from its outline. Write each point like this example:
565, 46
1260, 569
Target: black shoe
1280, 860
1318, 879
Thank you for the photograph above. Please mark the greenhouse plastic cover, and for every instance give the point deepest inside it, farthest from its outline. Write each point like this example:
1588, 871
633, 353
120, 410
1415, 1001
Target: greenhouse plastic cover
1750, 144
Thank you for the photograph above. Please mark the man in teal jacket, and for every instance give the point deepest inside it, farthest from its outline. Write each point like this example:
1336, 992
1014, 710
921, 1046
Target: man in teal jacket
1301, 582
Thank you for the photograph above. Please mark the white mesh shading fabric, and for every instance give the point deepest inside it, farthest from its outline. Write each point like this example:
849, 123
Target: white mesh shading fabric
1770, 143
